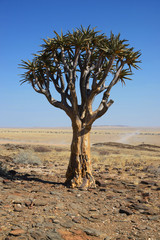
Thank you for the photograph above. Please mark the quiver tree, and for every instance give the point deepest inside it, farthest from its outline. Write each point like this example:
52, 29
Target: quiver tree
80, 65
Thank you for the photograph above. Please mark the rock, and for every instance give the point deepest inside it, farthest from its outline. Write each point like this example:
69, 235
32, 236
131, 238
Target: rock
18, 209
72, 190
118, 191
28, 203
149, 211
78, 195
145, 194
101, 183
52, 193
139, 206
6, 181
56, 221
93, 232
70, 214
37, 235
153, 218
152, 183
17, 232
39, 203
125, 211
76, 219
92, 209
67, 224
53, 236
96, 216
103, 190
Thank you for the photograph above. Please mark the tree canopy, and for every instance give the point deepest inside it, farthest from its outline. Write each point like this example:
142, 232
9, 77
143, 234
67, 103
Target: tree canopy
86, 54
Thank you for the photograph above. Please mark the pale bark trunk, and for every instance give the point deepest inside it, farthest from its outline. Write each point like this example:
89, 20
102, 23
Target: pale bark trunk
79, 172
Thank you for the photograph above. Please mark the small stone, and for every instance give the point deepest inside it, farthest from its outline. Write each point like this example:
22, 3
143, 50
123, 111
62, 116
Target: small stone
95, 216
93, 232
78, 195
101, 183
148, 183
76, 220
37, 235
139, 206
28, 203
39, 203
125, 211
54, 235
56, 221
103, 190
153, 218
18, 209
72, 190
82, 189
149, 211
145, 194
67, 224
70, 214
92, 209
6, 181
118, 191
17, 232
52, 193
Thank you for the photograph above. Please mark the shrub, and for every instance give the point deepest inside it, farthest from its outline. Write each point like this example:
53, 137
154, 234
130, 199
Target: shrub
27, 157
58, 149
42, 149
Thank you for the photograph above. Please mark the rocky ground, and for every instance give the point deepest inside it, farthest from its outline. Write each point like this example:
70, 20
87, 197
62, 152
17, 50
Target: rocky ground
35, 204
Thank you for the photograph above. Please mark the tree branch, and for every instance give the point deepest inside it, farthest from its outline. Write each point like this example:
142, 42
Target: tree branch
77, 54
102, 109
104, 105
107, 70
64, 60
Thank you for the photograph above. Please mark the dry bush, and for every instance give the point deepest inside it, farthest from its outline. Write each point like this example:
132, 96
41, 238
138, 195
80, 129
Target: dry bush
27, 157
59, 149
103, 152
42, 149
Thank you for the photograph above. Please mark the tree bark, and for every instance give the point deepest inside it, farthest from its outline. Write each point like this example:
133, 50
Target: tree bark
79, 172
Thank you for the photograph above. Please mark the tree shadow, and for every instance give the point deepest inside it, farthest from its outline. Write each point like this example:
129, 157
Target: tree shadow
13, 175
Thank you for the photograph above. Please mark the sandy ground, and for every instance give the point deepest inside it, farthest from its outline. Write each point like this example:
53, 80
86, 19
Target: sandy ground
56, 136
35, 204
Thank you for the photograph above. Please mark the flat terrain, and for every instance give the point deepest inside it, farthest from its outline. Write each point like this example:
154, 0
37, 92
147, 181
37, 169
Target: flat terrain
35, 204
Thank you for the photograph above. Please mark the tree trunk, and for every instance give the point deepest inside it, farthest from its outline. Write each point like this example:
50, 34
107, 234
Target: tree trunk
79, 172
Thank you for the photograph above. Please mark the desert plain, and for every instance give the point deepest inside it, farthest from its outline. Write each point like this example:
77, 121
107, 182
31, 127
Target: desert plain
35, 203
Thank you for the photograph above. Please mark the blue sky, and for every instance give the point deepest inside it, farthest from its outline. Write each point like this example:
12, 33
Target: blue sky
24, 24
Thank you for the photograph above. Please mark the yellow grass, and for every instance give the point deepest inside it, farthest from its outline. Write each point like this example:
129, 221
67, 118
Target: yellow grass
58, 140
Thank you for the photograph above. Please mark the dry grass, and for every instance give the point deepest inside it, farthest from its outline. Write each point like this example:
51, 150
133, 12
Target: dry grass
61, 137
27, 157
53, 145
